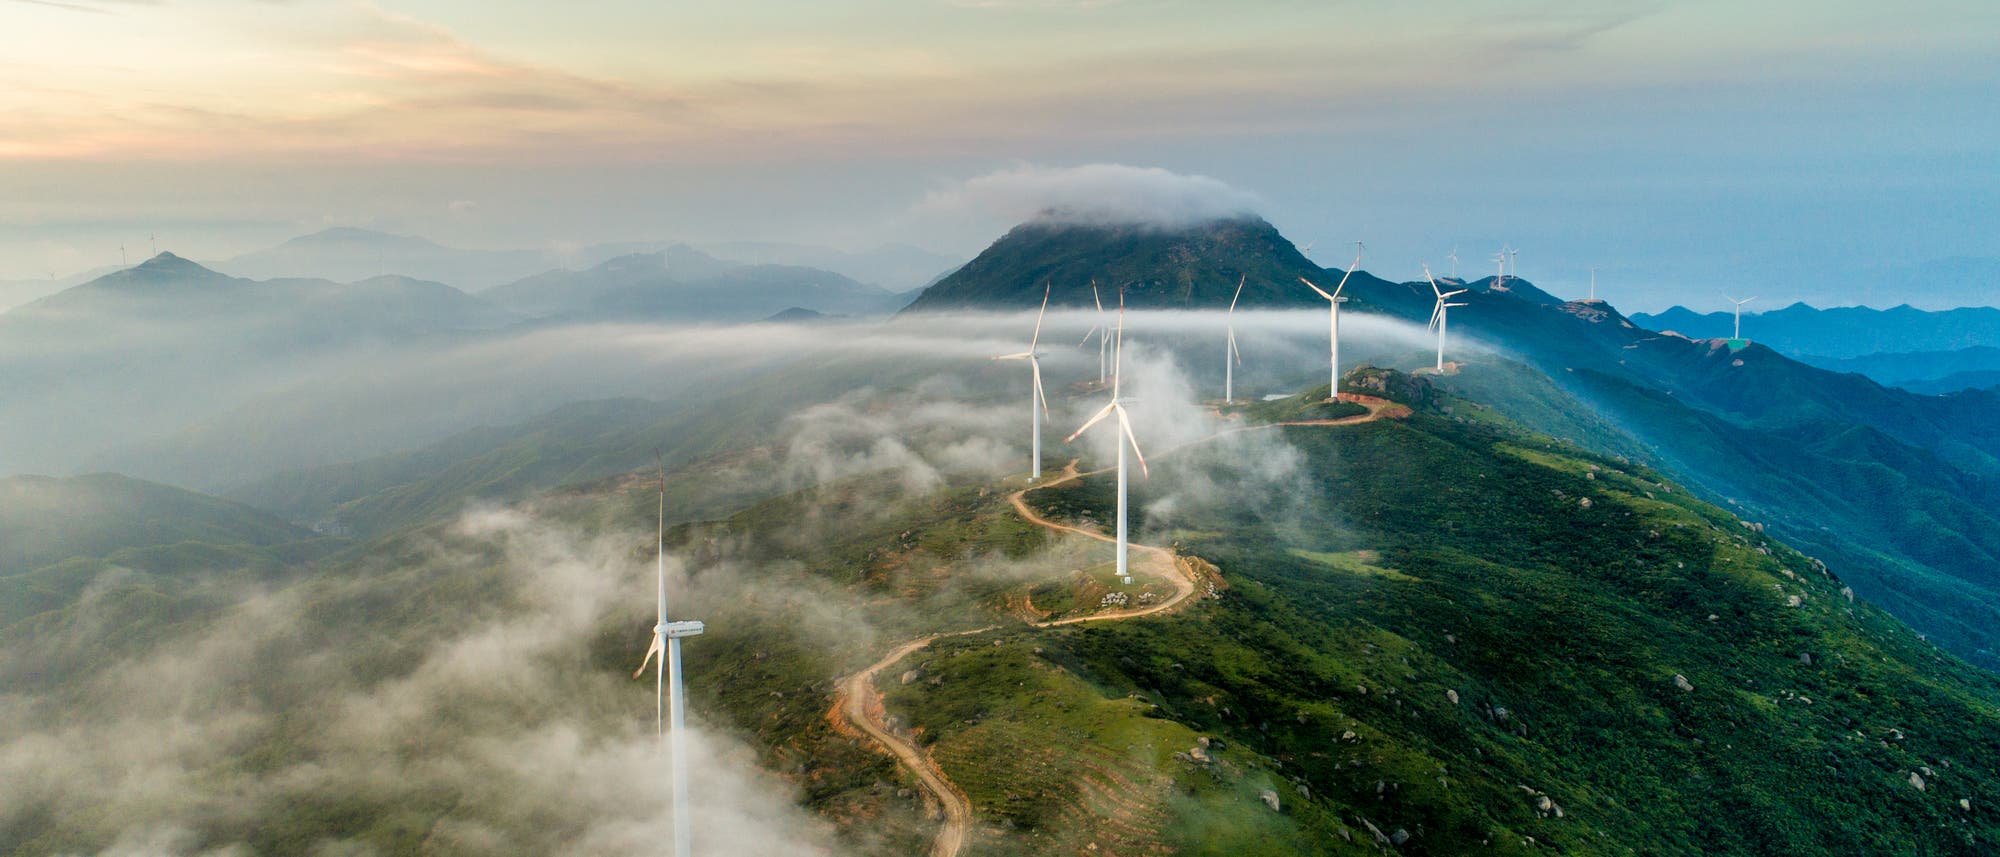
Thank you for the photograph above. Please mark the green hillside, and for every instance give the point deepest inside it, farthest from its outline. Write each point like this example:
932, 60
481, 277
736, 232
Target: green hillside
1457, 623
146, 557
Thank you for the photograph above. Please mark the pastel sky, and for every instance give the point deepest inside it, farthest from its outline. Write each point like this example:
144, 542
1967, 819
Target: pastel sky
1819, 150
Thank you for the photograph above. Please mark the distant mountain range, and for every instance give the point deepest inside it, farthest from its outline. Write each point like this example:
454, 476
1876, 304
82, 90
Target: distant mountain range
1841, 332
347, 253
684, 284
1934, 372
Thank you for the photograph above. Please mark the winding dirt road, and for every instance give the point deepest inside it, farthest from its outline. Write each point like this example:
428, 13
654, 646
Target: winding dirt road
858, 706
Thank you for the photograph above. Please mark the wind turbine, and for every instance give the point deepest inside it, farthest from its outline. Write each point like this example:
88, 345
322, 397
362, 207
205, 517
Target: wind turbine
1501, 257
1125, 435
1230, 355
1593, 284
1514, 262
1453, 256
1333, 302
1739, 313
1035, 397
1099, 329
670, 705
1439, 312
1307, 251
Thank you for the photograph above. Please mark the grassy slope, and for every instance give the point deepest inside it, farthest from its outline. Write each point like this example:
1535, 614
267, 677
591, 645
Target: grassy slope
1490, 580
135, 541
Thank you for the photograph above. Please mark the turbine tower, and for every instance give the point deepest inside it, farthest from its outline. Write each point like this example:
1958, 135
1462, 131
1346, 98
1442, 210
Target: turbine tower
1098, 330
1125, 436
1038, 405
1453, 256
1739, 313
1593, 284
1333, 302
1439, 312
670, 697
1230, 355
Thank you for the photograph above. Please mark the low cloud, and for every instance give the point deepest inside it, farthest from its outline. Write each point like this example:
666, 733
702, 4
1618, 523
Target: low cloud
1093, 193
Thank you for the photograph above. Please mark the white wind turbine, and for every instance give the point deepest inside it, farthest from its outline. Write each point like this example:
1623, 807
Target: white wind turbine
1501, 257
1038, 405
1098, 330
1439, 312
1453, 256
1117, 407
1230, 355
1333, 302
1593, 284
1739, 313
670, 695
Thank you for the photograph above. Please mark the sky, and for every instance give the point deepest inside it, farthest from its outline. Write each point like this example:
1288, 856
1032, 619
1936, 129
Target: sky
1824, 151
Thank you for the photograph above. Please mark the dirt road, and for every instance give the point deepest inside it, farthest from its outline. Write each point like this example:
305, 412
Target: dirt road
859, 706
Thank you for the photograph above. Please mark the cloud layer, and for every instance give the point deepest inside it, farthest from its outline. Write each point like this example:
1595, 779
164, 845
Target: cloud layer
1093, 193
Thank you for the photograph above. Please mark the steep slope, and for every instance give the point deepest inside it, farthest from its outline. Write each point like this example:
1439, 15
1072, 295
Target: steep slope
1159, 268
1459, 639
1470, 640
123, 539
44, 520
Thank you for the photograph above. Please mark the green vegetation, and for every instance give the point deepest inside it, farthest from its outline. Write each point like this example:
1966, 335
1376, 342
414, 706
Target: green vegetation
1528, 645
1309, 406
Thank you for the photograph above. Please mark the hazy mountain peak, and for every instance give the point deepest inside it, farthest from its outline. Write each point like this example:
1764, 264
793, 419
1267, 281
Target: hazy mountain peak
163, 269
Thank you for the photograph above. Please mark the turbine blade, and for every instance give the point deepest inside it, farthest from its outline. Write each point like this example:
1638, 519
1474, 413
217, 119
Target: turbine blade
1093, 296
1087, 335
1037, 340
1021, 356
651, 650
1449, 294
1320, 291
1044, 400
1091, 422
1239, 293
1126, 425
1350, 271
1118, 350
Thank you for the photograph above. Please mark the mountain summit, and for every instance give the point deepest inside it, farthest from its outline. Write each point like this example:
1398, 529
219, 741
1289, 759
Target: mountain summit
1158, 267
165, 269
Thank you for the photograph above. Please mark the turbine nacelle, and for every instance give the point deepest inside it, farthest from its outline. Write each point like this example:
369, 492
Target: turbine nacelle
679, 628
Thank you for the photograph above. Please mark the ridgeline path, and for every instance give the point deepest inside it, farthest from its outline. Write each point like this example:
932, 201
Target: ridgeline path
858, 707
